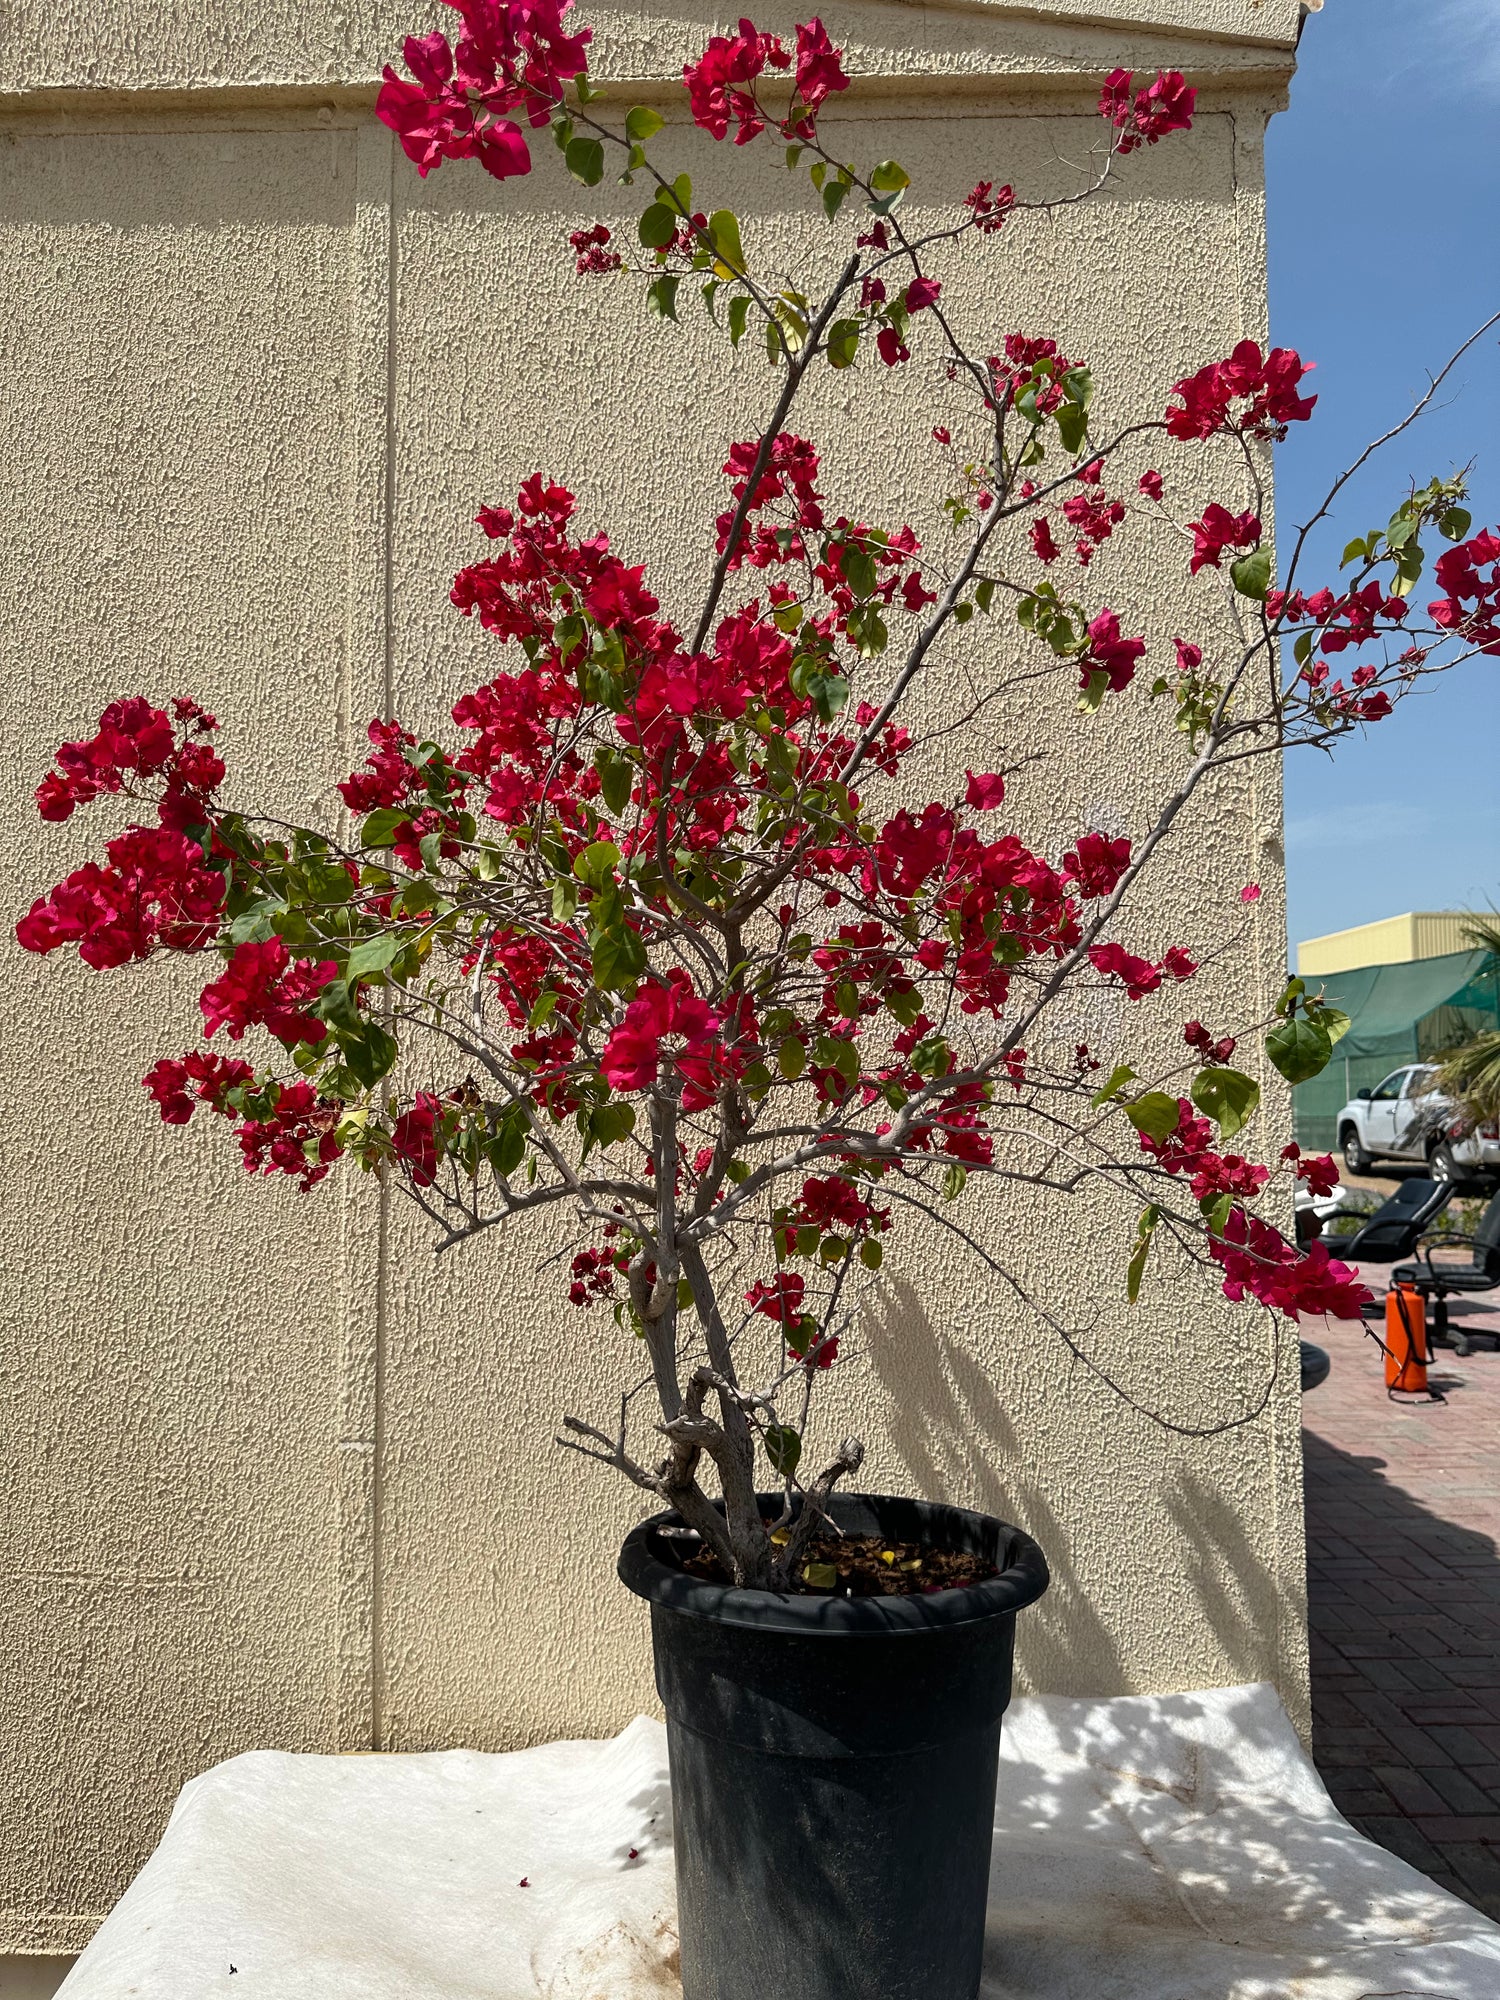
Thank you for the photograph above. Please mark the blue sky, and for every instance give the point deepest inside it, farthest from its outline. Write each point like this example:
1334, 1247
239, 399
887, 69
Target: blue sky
1385, 255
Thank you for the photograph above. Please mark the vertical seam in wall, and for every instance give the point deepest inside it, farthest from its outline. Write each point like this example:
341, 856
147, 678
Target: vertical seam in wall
388, 495
377, 1485
365, 691
388, 703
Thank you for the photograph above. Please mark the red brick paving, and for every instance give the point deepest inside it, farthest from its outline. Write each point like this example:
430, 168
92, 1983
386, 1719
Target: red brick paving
1403, 1521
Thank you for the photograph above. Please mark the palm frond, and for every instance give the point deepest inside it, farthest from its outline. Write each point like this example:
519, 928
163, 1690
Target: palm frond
1483, 933
1471, 1075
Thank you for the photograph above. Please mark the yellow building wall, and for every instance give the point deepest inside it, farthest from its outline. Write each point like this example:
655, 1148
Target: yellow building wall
271, 1477
1391, 941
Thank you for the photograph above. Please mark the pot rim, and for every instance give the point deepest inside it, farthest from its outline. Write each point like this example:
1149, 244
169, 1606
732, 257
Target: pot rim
1021, 1582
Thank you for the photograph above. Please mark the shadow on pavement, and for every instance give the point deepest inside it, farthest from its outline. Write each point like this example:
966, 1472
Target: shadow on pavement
1404, 1610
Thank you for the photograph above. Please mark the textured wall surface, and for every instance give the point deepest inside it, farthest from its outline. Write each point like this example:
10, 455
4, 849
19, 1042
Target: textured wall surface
129, 45
270, 1476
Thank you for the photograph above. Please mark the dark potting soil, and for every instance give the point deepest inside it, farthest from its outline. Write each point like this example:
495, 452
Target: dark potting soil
866, 1566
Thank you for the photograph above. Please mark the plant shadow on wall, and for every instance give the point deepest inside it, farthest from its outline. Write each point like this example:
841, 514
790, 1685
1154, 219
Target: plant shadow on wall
1229, 1575
955, 1436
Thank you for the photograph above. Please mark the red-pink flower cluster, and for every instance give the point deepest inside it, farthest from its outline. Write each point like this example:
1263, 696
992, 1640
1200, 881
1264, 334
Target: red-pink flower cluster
1094, 518
1352, 703
990, 206
201, 1077
716, 82
891, 348
781, 1300
1258, 1261
859, 956
414, 1138
720, 83
1109, 653
263, 986
296, 1137
388, 778
1470, 604
1212, 1051
1189, 1150
1319, 1172
155, 891
589, 250
1220, 530
973, 885
432, 792
1139, 976
820, 72
1096, 864
512, 55
1035, 365
519, 594
594, 1273
136, 740
662, 1013
959, 1130
282, 1128
831, 1201
1266, 383
157, 888
791, 473
1043, 546
1141, 117
890, 555
1347, 618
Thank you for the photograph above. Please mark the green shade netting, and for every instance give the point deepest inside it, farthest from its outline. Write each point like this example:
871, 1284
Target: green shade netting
1400, 1013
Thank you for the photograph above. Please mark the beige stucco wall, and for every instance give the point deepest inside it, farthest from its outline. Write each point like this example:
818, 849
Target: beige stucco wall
270, 1478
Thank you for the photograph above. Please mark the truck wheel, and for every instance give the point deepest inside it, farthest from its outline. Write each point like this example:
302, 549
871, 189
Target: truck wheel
1356, 1159
1442, 1165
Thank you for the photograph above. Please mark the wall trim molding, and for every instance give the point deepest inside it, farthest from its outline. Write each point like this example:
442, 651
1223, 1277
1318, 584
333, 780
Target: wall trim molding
349, 106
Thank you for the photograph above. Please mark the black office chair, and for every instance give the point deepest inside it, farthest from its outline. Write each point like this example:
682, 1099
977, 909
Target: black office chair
1397, 1226
1440, 1282
1393, 1230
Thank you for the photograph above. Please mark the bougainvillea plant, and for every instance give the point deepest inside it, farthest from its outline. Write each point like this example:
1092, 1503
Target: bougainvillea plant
658, 939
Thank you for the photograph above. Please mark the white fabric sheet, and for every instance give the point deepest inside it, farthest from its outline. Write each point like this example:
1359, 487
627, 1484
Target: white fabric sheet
1174, 1847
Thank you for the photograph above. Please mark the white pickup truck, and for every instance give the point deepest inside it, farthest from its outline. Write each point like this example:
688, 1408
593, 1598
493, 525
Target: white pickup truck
1407, 1118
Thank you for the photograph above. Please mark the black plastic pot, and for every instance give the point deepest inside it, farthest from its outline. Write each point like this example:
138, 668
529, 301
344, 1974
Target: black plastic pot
833, 1764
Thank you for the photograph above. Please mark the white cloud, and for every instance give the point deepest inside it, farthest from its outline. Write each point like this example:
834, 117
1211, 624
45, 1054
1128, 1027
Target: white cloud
1453, 44
1466, 40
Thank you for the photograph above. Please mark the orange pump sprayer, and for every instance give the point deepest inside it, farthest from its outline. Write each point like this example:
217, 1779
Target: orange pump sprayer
1405, 1341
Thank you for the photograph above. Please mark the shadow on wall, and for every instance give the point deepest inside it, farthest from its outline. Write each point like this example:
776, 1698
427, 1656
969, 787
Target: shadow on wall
1224, 1574
957, 1442
952, 1433
32, 1978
